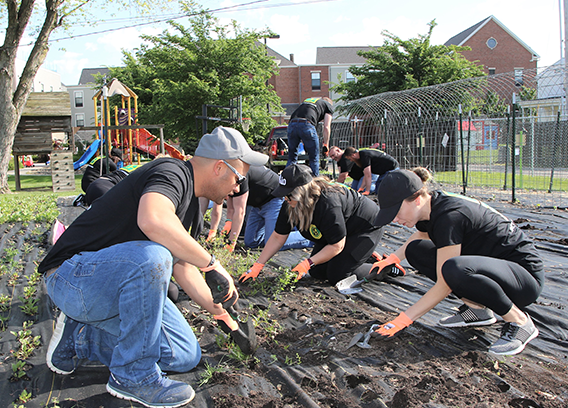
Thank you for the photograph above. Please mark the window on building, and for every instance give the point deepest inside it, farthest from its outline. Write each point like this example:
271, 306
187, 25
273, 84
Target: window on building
78, 99
518, 76
491, 71
491, 43
316, 81
349, 77
79, 119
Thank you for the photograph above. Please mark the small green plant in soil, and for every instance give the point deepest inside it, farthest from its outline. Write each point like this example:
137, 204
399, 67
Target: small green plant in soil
210, 371
18, 371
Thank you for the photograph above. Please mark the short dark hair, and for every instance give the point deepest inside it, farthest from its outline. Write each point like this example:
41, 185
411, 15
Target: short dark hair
349, 151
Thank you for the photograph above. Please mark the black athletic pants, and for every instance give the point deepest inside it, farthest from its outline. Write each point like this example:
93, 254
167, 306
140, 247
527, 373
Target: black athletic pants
357, 251
494, 283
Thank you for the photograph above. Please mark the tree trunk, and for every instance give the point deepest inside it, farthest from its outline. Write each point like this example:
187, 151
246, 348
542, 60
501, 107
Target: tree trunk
12, 101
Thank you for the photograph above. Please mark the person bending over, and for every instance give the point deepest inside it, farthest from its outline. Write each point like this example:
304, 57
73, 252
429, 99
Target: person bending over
468, 248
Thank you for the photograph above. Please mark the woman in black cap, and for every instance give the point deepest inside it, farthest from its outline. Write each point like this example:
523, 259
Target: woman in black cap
337, 219
469, 249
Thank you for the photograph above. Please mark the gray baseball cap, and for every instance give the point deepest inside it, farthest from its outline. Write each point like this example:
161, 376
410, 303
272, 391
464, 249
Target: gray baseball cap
225, 143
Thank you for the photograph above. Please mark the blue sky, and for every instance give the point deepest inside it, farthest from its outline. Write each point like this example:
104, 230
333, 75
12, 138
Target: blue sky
304, 25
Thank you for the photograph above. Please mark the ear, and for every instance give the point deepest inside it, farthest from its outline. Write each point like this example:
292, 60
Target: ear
217, 167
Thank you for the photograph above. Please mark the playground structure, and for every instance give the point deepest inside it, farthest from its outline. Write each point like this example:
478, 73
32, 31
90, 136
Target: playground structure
124, 133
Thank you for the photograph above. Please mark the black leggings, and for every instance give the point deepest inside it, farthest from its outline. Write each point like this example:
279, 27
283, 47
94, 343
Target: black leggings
494, 283
357, 251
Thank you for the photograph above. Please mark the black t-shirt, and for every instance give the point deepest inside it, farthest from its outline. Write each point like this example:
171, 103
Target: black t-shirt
344, 165
93, 170
260, 184
336, 215
379, 161
313, 109
480, 230
112, 219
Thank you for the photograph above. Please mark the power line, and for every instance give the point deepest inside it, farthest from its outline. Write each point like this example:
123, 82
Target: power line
253, 5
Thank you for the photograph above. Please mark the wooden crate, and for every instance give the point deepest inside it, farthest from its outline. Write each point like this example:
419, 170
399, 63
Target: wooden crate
62, 174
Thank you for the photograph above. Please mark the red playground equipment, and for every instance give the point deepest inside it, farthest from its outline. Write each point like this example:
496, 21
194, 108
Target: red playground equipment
135, 139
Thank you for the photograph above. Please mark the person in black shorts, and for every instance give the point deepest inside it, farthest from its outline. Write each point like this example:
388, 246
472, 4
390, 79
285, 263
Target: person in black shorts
109, 272
375, 164
336, 218
468, 248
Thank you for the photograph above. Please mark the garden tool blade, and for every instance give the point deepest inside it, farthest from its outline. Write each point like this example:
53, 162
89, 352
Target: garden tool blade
245, 337
354, 340
349, 285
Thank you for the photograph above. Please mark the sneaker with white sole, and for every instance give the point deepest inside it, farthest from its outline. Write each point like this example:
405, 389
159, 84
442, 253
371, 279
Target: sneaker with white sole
467, 316
163, 392
61, 355
514, 338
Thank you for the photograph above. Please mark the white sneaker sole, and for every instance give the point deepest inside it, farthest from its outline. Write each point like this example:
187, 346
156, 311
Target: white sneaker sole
54, 342
518, 349
471, 324
130, 397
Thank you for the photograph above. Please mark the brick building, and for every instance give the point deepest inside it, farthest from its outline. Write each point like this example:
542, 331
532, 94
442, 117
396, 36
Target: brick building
496, 48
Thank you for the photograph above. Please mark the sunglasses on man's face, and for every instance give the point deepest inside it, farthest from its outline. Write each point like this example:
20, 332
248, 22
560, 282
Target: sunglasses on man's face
240, 178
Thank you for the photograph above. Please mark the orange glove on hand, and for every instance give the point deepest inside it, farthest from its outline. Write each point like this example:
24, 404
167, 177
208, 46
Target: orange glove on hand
212, 234
382, 267
231, 246
252, 273
302, 268
227, 227
325, 149
394, 327
226, 322
221, 285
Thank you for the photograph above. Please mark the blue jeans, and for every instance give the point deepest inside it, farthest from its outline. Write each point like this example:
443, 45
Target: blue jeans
303, 132
120, 294
357, 183
260, 225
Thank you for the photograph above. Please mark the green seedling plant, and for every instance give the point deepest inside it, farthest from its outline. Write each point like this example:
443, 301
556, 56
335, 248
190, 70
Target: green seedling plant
293, 360
13, 281
285, 281
3, 322
24, 397
18, 369
34, 278
28, 343
4, 303
29, 305
210, 371
262, 320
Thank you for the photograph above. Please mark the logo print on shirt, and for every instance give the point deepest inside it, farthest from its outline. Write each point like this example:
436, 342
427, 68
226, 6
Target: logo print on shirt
315, 232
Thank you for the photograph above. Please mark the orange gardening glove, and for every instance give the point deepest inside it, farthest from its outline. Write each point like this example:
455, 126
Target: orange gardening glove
221, 285
231, 246
391, 260
394, 327
226, 322
252, 273
302, 268
362, 191
325, 149
227, 227
212, 234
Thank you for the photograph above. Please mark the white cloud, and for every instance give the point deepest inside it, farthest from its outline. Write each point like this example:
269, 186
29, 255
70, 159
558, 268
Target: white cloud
69, 67
290, 29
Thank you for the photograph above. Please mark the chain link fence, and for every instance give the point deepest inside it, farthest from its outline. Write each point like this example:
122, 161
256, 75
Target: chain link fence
501, 137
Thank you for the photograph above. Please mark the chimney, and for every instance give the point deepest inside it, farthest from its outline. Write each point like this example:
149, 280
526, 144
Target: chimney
292, 57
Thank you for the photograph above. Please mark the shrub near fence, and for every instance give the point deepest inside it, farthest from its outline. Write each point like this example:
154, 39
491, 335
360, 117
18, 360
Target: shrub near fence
495, 137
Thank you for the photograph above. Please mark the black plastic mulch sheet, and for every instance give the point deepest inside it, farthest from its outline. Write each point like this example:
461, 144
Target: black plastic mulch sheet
86, 387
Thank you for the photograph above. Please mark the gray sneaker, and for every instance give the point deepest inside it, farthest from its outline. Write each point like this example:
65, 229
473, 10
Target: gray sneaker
514, 338
467, 316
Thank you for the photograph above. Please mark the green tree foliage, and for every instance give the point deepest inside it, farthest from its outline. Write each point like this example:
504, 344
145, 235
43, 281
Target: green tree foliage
37, 20
406, 64
205, 63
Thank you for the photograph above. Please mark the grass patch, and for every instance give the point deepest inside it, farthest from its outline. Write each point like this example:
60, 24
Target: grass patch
41, 207
497, 180
41, 184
